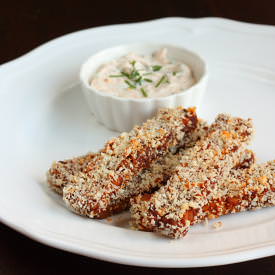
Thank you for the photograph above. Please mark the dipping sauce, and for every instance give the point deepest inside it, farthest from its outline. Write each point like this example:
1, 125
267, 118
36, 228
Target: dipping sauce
136, 76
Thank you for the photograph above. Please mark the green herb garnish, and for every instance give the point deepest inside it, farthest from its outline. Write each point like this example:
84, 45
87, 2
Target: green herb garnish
134, 77
156, 68
145, 94
174, 73
131, 85
148, 80
134, 74
164, 79
138, 80
147, 74
125, 74
116, 75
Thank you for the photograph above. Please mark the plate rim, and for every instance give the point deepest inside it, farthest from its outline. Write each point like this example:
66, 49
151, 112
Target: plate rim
234, 257
227, 21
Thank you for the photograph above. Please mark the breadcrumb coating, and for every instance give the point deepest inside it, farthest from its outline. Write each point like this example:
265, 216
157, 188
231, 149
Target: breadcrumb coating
64, 171
244, 189
160, 171
109, 181
171, 209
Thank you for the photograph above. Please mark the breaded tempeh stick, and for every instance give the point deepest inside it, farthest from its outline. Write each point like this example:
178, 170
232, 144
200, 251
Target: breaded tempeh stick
201, 169
244, 189
160, 171
108, 184
64, 171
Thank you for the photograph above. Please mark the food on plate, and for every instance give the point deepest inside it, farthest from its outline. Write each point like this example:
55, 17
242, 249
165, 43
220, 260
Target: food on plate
174, 171
195, 181
160, 171
244, 189
64, 171
108, 182
165, 168
217, 225
136, 76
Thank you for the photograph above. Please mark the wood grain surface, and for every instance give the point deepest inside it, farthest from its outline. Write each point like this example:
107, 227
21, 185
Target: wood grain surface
25, 25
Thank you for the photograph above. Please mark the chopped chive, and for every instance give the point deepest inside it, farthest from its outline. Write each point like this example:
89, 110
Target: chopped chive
134, 74
160, 81
116, 75
131, 86
148, 80
156, 68
125, 74
133, 63
138, 81
145, 94
147, 74
174, 73
163, 79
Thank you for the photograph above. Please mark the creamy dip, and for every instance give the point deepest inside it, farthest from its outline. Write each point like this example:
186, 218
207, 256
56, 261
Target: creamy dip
137, 76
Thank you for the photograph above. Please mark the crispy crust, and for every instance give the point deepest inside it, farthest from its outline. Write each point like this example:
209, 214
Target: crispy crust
247, 160
160, 171
202, 168
63, 171
247, 189
109, 180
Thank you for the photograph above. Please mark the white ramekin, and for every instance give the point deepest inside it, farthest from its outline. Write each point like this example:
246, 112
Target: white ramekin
121, 114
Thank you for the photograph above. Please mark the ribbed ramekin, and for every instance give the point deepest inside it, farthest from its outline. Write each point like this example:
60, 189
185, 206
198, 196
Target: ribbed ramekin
121, 114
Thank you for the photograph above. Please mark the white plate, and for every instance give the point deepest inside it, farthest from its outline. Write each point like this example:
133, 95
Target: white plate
43, 117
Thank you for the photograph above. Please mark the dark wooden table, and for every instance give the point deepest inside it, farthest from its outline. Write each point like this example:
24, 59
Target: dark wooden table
27, 24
